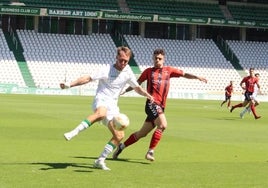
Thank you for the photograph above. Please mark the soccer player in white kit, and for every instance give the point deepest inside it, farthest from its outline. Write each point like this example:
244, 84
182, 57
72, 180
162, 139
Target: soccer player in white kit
112, 81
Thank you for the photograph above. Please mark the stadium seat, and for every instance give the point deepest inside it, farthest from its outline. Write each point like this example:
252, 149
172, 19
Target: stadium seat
51, 57
252, 54
200, 57
74, 5
9, 70
179, 8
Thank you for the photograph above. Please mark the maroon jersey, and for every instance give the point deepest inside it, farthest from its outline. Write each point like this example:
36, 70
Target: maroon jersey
158, 82
249, 83
229, 90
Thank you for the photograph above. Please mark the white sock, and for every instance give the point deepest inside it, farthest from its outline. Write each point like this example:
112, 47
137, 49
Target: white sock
107, 150
82, 126
244, 111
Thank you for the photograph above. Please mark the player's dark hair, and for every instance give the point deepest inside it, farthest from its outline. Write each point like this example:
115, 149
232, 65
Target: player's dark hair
159, 51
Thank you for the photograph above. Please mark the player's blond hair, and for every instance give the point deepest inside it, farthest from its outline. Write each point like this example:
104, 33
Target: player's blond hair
125, 49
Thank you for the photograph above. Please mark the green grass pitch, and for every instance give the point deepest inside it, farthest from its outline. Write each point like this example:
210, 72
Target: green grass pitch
204, 146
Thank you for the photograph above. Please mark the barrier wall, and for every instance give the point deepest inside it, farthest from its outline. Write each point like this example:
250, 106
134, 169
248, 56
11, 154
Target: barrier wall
14, 89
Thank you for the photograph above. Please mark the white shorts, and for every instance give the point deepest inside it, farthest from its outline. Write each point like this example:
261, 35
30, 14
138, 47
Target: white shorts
254, 96
110, 105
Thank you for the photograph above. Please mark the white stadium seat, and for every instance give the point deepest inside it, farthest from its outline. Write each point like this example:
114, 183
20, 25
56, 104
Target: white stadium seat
9, 69
51, 57
200, 57
252, 54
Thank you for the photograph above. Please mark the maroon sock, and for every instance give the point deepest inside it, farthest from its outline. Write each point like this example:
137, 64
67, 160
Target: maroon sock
131, 140
252, 107
238, 105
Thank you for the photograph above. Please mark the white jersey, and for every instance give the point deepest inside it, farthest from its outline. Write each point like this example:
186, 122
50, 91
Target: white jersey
111, 84
112, 81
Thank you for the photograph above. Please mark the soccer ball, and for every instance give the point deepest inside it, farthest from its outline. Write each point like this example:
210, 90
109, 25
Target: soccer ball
120, 122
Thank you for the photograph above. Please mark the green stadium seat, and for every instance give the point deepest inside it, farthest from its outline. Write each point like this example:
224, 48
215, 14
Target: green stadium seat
175, 8
80, 4
252, 13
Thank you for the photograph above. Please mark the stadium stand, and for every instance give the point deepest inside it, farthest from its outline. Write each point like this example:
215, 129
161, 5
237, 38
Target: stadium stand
68, 4
258, 1
201, 57
51, 56
252, 54
4, 2
9, 70
249, 13
178, 8
253, 1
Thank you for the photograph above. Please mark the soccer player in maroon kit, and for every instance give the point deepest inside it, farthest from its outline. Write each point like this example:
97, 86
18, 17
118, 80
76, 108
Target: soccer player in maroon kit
158, 83
248, 86
228, 94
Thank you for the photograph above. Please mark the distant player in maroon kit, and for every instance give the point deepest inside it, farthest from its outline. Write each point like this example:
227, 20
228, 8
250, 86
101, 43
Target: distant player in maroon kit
248, 86
228, 94
158, 83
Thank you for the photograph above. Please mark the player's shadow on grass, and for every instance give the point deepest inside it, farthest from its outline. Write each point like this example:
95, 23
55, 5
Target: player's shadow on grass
55, 166
229, 118
120, 160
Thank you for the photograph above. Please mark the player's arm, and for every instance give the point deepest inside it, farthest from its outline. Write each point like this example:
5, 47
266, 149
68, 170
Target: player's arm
258, 85
259, 88
242, 85
80, 81
143, 92
191, 76
129, 88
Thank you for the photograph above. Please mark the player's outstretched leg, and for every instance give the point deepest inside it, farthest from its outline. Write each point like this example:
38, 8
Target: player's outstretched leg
118, 150
236, 106
82, 126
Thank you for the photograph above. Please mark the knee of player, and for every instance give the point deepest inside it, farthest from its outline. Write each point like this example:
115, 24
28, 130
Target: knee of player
100, 115
162, 127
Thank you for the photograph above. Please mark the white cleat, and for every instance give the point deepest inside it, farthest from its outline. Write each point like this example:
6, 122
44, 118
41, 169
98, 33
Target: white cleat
241, 116
100, 165
68, 136
149, 156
